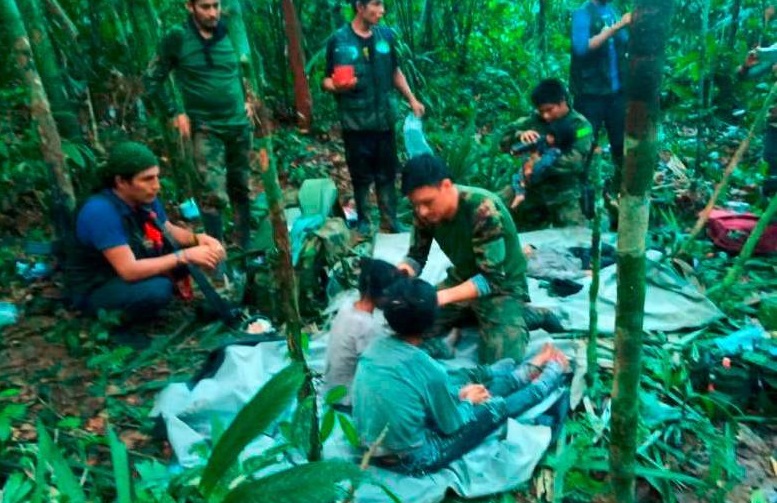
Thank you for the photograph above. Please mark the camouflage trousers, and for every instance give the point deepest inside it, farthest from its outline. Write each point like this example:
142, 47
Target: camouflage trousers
500, 321
221, 158
533, 213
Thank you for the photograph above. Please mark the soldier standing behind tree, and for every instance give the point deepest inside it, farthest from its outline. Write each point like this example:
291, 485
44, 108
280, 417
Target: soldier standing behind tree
215, 115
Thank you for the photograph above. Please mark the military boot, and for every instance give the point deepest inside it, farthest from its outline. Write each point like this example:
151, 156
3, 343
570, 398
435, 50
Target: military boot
360, 196
387, 204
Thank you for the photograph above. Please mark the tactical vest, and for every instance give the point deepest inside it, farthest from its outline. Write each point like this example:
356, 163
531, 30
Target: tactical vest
87, 267
367, 107
590, 73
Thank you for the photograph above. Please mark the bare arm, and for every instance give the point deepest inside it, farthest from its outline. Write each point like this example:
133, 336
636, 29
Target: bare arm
400, 82
608, 32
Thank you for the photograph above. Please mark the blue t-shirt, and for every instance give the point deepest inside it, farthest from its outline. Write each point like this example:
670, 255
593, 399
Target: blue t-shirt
99, 224
581, 32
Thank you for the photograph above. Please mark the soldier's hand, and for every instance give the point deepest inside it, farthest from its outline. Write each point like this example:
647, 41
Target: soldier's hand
204, 256
182, 124
529, 136
341, 87
517, 200
625, 20
418, 108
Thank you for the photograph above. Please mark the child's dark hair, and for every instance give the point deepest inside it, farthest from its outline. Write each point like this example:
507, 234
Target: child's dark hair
423, 170
375, 276
564, 134
410, 306
549, 91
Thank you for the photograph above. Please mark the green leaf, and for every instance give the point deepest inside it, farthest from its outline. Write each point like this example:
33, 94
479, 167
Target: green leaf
264, 408
327, 424
66, 482
335, 395
72, 152
8, 393
69, 423
319, 482
121, 471
349, 429
16, 488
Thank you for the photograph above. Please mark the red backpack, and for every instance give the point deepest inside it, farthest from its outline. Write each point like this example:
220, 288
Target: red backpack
729, 231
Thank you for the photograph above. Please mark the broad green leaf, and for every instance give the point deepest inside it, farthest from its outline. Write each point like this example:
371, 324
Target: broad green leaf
121, 471
8, 393
320, 482
327, 424
72, 152
349, 429
264, 408
16, 489
66, 481
68, 423
335, 395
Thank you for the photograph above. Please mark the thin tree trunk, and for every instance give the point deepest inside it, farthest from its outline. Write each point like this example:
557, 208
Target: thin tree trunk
239, 35
65, 114
63, 198
732, 164
286, 283
592, 370
736, 9
427, 40
747, 251
704, 83
146, 31
650, 28
303, 102
542, 29
54, 8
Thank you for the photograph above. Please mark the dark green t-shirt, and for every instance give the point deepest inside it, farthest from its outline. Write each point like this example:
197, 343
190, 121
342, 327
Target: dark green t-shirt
211, 88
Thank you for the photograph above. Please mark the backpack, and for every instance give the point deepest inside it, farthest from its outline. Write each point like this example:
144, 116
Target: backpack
729, 231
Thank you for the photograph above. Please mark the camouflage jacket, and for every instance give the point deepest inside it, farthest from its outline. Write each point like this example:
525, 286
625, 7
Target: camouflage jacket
480, 240
563, 180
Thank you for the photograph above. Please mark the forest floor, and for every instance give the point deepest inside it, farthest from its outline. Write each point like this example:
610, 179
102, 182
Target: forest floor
65, 373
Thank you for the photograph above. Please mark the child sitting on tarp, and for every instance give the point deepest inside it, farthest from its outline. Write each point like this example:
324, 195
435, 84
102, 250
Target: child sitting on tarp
355, 325
407, 400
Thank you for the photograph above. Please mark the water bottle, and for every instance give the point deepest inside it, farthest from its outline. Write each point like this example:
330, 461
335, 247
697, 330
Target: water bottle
415, 142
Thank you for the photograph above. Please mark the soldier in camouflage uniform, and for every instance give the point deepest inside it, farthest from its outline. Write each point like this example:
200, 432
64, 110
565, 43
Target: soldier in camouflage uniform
215, 114
474, 228
555, 200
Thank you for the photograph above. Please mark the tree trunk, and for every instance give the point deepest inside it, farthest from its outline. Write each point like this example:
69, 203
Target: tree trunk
303, 102
286, 283
542, 29
54, 9
736, 9
63, 199
239, 35
592, 364
649, 33
62, 108
704, 83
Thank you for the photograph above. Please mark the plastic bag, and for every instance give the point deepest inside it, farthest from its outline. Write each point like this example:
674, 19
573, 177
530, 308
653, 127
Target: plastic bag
415, 141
